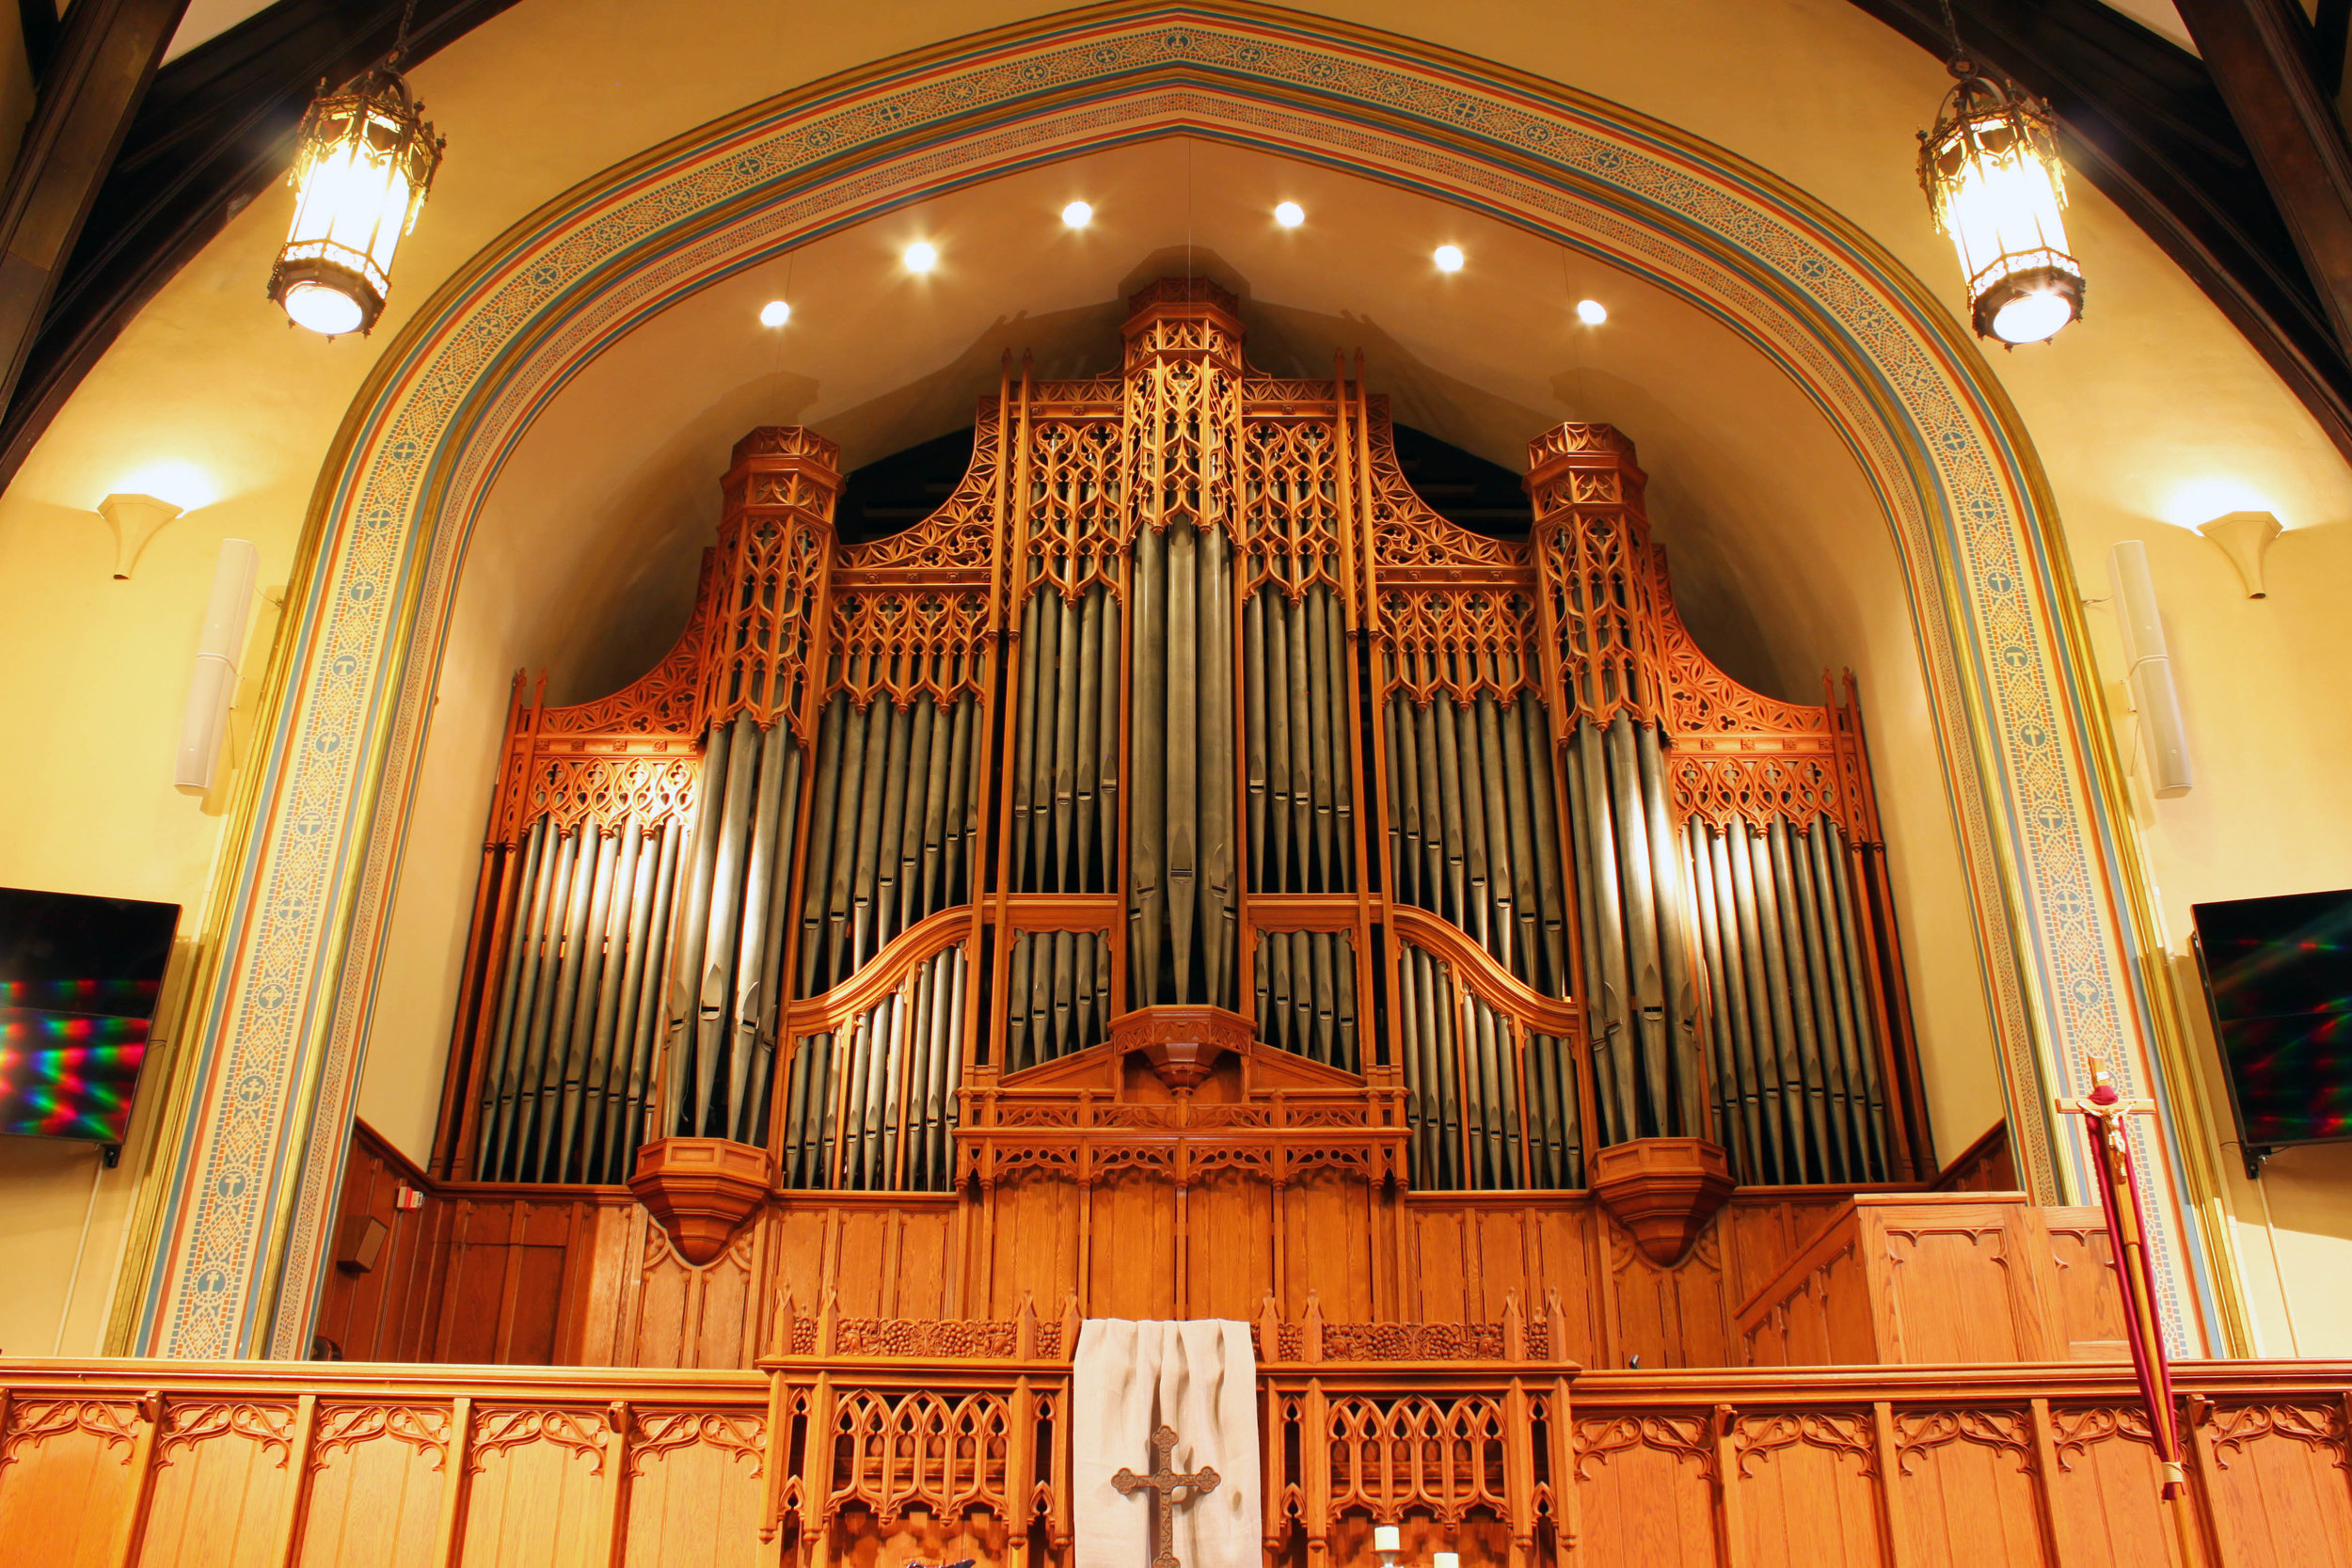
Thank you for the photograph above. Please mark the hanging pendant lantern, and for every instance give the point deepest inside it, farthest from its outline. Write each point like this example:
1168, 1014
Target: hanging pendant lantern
1996, 184
365, 161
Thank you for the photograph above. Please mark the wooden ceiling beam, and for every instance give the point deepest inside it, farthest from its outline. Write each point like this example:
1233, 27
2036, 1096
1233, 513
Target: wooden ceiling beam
88, 92
2260, 53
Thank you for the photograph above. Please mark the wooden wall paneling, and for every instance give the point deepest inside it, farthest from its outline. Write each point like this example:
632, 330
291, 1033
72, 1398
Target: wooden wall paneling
1228, 1257
534, 1488
2089, 1312
375, 1485
1807, 1486
1675, 1317
1333, 1231
707, 1317
1131, 1266
1961, 1280
1645, 1489
1985, 1165
449, 1521
389, 1312
1816, 1310
923, 1258
868, 1257
694, 1488
1969, 1494
222, 1483
1563, 1233
2277, 1478
65, 1476
1438, 1264
2100, 1476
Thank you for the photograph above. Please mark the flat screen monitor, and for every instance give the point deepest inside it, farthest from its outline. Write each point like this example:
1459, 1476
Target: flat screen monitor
2278, 973
79, 980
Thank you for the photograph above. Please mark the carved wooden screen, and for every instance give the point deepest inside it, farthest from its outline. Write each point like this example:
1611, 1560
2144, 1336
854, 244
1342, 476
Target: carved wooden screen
1184, 700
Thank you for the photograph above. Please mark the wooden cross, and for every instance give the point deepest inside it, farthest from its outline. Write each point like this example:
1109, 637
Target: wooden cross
1162, 1483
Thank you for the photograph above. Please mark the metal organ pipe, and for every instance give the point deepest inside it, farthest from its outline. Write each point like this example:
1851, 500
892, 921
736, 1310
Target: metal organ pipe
1181, 646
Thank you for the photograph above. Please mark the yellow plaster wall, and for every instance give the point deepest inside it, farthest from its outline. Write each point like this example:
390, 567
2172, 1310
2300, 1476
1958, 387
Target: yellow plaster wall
2151, 391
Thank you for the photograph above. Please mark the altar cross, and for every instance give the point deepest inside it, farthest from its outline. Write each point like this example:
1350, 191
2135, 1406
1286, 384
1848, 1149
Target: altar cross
1162, 1483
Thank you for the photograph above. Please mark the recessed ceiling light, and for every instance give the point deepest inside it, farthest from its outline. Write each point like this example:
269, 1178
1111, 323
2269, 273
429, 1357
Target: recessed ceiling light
1448, 257
1592, 312
774, 313
1290, 214
921, 256
1078, 214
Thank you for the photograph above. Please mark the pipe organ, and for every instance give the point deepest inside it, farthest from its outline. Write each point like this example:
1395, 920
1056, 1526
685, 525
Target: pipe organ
1183, 796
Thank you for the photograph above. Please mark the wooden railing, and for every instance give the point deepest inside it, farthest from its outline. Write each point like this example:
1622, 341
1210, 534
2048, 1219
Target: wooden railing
907, 1436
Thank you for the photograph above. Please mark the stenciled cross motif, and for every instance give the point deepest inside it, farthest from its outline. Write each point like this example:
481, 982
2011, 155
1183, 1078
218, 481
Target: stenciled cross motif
1164, 1483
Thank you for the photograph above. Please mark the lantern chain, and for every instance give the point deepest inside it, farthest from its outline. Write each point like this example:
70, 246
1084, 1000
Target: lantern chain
408, 15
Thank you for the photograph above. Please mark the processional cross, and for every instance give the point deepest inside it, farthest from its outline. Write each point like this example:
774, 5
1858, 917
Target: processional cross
2104, 1109
1164, 1483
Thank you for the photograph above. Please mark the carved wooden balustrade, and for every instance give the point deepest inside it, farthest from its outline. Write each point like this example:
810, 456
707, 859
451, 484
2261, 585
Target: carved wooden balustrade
885, 1438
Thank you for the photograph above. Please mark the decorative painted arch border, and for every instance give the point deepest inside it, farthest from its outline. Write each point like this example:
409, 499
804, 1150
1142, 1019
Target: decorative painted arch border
280, 1016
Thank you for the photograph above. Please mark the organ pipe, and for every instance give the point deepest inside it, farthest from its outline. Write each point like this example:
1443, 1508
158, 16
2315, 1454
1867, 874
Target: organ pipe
1115, 728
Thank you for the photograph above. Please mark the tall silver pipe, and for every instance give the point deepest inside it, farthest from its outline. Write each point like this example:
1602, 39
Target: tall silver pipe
1674, 942
1089, 863
1147, 818
650, 981
1323, 774
1023, 782
883, 748
1543, 792
824, 812
963, 805
589, 987
606, 1157
1809, 1085
1786, 1091
581, 1128
796, 1118
1441, 740
1524, 851
685, 969
1180, 841
1837, 993
1071, 670
1615, 1040
1829, 1087
516, 1117
713, 978
1213, 768
1046, 673
1768, 1000
544, 1087
1340, 870
1645, 966
1725, 1128
1732, 994
1479, 913
906, 876
1865, 1031
1254, 756
529, 889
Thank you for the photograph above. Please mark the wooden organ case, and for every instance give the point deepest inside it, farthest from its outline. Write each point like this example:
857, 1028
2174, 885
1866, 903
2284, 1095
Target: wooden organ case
1183, 876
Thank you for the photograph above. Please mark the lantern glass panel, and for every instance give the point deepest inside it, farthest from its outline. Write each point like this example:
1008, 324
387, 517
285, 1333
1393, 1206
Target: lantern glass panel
1996, 189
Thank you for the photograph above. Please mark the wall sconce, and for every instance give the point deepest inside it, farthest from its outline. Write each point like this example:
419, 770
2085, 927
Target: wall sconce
204, 723
2243, 537
135, 520
2163, 736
